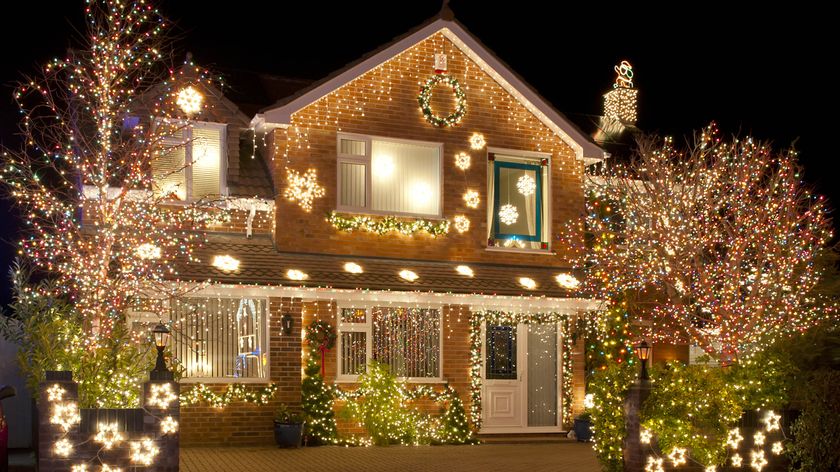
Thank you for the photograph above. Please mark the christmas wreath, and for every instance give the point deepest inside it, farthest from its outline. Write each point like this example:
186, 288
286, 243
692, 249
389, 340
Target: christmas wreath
426, 95
321, 335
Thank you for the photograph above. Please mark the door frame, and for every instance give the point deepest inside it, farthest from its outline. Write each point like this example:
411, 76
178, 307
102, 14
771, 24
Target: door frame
522, 380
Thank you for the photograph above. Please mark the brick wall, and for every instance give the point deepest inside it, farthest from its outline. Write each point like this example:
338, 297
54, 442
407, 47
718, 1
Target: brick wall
362, 107
245, 424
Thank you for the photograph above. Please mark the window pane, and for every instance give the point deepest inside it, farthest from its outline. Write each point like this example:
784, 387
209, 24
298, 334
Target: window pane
353, 353
405, 177
501, 352
408, 340
351, 147
220, 338
352, 178
353, 315
206, 160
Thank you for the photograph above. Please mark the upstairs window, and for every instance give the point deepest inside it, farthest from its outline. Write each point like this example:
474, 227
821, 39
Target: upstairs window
191, 165
518, 194
389, 176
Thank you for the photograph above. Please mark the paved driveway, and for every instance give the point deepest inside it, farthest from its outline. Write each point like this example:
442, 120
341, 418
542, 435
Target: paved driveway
553, 457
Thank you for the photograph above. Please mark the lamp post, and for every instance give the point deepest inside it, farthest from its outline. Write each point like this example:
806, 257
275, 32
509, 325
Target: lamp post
643, 351
161, 335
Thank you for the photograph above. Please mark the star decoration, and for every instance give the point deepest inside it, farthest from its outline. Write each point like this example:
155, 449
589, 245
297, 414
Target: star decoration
303, 188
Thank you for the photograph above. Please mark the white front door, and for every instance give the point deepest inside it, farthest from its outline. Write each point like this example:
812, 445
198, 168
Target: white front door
520, 378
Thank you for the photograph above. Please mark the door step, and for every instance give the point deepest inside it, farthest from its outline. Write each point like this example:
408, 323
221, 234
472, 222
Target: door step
524, 438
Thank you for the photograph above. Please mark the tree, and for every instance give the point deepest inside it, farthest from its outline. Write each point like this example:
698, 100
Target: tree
716, 241
94, 151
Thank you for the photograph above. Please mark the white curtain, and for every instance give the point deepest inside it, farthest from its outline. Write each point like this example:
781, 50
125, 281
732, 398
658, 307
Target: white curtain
405, 178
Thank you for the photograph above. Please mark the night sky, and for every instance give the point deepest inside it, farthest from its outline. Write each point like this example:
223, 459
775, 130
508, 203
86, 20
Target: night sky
765, 72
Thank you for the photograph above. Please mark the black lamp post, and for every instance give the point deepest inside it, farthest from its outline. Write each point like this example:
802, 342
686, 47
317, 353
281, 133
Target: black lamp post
643, 351
287, 323
161, 334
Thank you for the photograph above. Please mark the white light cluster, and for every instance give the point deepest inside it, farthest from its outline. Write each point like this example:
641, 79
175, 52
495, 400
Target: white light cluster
508, 214
161, 395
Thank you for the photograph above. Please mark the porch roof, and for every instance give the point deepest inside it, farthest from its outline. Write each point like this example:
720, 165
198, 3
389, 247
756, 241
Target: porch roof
262, 264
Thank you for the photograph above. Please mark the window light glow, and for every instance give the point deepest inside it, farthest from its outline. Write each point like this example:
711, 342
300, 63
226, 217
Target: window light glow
567, 281
353, 268
409, 275
528, 283
464, 270
189, 100
226, 263
295, 274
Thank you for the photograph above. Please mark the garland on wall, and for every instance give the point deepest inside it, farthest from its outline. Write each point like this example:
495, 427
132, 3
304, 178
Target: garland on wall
424, 99
478, 319
387, 224
235, 393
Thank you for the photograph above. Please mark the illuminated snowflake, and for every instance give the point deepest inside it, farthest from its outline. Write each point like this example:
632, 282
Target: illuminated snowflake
462, 223
143, 451
471, 198
303, 188
508, 214
526, 185
168, 425
771, 421
161, 395
677, 456
108, 435
757, 460
462, 161
734, 438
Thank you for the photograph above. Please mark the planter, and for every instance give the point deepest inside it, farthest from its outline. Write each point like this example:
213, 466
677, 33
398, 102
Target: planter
288, 434
583, 430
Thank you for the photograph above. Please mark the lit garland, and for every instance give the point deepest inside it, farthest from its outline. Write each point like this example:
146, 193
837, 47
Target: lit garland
479, 318
303, 188
234, 393
387, 224
460, 101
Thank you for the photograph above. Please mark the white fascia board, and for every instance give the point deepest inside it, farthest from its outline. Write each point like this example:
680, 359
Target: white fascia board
476, 302
584, 148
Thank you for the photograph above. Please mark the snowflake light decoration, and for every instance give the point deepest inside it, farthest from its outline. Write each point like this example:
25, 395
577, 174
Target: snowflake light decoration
143, 451
757, 460
168, 425
526, 185
471, 198
161, 395
462, 223
462, 161
771, 421
189, 100
508, 214
734, 438
108, 435
303, 188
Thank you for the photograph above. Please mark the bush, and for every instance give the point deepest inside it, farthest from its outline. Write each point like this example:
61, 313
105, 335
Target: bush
816, 445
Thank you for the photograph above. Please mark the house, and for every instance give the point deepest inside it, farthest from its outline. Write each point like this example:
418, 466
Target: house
414, 201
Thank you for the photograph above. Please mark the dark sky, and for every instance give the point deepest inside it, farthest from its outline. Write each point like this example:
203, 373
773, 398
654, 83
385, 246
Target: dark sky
765, 71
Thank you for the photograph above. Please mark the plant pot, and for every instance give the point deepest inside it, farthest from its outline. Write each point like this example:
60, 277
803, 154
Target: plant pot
288, 434
583, 430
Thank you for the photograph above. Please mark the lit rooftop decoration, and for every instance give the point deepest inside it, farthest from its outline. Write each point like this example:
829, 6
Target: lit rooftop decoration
226, 263
620, 102
353, 268
189, 100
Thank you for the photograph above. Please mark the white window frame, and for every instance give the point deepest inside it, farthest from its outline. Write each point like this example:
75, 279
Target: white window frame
153, 318
366, 160
548, 189
187, 142
367, 328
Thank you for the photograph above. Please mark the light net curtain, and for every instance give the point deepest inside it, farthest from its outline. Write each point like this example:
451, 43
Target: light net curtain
405, 178
408, 340
219, 337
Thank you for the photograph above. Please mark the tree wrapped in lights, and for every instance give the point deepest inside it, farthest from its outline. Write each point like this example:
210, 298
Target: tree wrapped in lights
87, 177
717, 242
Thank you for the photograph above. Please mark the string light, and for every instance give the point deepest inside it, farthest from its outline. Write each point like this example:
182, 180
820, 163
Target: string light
462, 223
353, 268
303, 188
161, 395
526, 185
508, 214
471, 198
190, 100
462, 161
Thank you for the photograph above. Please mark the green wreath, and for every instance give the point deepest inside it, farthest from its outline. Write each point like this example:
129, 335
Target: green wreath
320, 334
426, 95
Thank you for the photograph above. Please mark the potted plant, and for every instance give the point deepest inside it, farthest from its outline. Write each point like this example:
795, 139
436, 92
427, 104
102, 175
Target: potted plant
288, 427
583, 427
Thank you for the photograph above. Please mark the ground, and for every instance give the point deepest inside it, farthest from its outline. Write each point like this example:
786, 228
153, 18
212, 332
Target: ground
554, 457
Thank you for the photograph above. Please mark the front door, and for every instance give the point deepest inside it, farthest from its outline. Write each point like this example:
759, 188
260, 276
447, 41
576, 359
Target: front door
520, 384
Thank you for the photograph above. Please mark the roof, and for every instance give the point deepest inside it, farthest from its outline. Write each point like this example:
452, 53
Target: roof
585, 149
262, 264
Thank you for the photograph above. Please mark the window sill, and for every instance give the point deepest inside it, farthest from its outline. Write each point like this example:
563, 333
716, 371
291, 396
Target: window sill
545, 252
223, 380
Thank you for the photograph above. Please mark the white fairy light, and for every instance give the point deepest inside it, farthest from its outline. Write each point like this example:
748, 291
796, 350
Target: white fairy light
65, 415
226, 263
56, 393
63, 447
108, 435
294, 274
508, 214
462, 161
567, 281
757, 460
143, 451
409, 275
771, 421
677, 456
471, 198
528, 283
353, 268
168, 425
734, 438
477, 141
189, 100
148, 251
526, 185
464, 270
161, 395
462, 223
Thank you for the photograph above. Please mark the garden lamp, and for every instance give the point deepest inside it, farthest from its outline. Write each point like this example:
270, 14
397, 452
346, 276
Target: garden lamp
161, 333
643, 351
